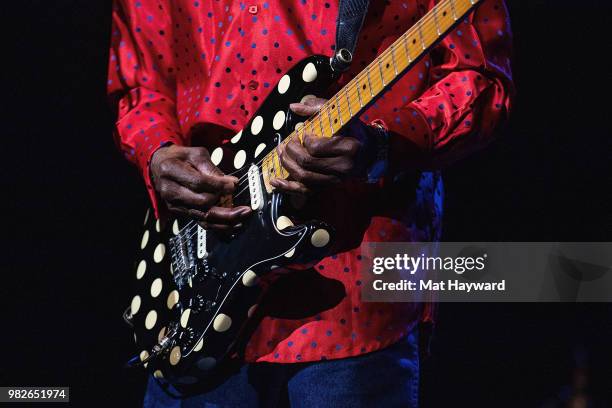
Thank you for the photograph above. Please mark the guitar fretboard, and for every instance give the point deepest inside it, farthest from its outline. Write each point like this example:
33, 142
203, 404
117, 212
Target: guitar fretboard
370, 83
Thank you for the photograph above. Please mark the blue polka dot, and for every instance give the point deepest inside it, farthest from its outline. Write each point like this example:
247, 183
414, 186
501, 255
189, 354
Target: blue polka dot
313, 344
289, 343
304, 331
328, 333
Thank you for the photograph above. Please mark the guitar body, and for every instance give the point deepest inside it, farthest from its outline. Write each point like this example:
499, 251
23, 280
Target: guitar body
195, 289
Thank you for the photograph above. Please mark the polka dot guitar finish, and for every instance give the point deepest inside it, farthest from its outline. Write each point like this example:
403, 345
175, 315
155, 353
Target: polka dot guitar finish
197, 292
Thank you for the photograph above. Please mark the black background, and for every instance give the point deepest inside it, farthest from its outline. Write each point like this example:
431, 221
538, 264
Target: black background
73, 207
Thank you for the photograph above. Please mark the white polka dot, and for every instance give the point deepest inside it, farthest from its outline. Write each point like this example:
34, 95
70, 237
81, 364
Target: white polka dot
251, 310
144, 354
185, 318
216, 156
320, 238
175, 227
146, 218
260, 148
279, 120
222, 322
283, 84
162, 333
290, 253
151, 319
249, 278
206, 363
257, 125
236, 138
144, 240
283, 222
158, 374
239, 159
173, 298
310, 72
156, 287
199, 346
175, 355
160, 252
157, 225
135, 305
142, 268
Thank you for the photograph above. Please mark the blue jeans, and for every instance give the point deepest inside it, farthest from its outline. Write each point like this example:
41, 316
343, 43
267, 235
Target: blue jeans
384, 378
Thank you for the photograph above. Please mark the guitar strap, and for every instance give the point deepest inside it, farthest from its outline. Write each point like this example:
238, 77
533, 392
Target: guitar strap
351, 14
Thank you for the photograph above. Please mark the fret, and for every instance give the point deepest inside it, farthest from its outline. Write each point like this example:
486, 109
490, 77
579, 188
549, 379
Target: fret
369, 81
452, 4
359, 94
339, 111
393, 60
385, 62
382, 78
420, 29
321, 124
348, 101
331, 123
406, 47
435, 14
276, 165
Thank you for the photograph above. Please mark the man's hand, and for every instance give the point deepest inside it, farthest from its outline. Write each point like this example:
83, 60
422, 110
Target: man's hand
191, 185
319, 162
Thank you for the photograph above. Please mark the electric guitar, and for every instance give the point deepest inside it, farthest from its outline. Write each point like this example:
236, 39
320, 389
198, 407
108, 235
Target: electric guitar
196, 290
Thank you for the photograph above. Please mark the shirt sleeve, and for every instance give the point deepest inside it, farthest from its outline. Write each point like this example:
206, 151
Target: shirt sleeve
470, 93
141, 85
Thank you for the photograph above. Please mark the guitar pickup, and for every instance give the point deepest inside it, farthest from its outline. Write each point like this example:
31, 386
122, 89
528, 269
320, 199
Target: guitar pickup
201, 251
255, 188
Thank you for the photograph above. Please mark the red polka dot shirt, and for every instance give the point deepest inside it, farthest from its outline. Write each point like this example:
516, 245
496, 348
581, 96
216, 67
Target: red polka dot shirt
177, 67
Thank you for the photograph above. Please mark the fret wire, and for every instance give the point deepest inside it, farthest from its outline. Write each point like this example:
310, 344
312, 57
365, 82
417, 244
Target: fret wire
359, 93
339, 110
348, 100
406, 47
321, 124
381, 72
369, 82
435, 14
329, 117
393, 60
452, 3
421, 35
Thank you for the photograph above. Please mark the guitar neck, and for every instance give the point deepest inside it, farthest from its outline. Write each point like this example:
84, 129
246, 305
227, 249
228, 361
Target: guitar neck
369, 84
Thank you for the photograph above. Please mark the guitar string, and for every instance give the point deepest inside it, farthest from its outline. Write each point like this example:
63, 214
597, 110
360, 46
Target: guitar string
387, 57
424, 26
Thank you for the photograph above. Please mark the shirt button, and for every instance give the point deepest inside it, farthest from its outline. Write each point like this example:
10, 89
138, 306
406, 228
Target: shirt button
253, 9
253, 85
